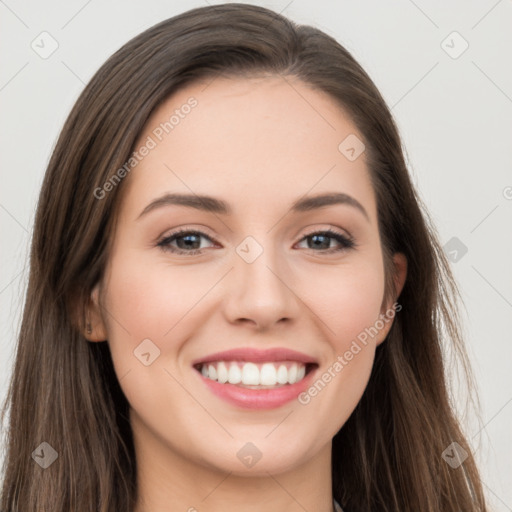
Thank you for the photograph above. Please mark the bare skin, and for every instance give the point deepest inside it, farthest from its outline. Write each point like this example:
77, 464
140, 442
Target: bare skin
259, 144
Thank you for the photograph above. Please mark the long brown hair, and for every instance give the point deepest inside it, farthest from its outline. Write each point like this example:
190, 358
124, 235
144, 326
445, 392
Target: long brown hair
389, 454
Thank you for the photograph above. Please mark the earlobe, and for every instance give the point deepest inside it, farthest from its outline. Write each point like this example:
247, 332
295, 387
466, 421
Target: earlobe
95, 329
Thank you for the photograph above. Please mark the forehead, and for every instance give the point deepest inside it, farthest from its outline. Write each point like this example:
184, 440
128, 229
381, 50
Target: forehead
252, 140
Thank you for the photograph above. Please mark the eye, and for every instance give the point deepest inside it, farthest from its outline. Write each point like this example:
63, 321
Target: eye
189, 241
185, 240
322, 239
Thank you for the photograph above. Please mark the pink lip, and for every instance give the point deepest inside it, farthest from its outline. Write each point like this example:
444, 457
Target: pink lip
256, 356
258, 398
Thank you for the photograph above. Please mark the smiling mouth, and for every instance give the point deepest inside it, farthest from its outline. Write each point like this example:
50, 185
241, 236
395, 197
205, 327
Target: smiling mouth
252, 375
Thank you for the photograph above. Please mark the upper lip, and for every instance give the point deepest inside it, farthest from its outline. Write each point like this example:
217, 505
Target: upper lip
257, 355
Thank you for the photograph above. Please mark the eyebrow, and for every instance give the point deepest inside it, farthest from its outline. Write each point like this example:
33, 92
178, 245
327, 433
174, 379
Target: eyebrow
214, 205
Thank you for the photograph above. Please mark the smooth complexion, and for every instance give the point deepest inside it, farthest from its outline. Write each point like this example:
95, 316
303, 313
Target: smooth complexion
260, 145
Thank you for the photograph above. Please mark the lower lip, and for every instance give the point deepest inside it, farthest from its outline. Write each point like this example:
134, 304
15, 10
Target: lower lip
258, 398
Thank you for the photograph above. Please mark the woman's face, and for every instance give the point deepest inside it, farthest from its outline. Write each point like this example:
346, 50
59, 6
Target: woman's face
253, 272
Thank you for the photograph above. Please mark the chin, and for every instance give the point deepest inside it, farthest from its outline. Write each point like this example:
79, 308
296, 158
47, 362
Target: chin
258, 457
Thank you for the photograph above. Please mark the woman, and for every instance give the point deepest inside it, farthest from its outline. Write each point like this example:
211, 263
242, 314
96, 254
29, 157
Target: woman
235, 300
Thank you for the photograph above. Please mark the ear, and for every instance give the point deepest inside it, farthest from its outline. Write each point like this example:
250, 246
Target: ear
389, 309
95, 328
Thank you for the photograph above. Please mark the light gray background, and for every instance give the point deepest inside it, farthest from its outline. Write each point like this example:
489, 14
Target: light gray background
454, 114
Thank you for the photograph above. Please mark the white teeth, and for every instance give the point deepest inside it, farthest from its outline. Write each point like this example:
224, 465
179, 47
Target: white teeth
212, 372
235, 374
222, 373
268, 375
282, 374
252, 374
292, 374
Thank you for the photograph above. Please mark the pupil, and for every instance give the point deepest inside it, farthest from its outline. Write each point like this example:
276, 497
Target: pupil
188, 243
316, 237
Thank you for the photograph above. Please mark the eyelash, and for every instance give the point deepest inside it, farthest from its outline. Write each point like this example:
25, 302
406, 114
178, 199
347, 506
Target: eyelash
164, 244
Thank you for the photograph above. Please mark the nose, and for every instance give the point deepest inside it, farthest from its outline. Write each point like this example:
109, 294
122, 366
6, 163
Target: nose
261, 291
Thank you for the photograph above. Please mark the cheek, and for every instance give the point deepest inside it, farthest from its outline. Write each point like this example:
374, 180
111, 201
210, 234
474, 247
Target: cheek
347, 300
349, 306
150, 300
159, 303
